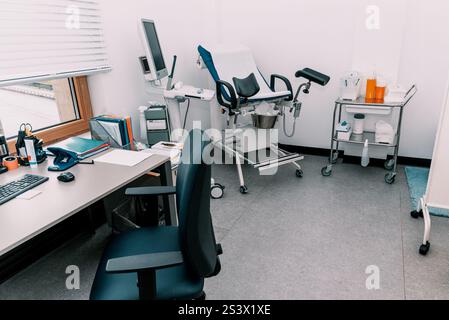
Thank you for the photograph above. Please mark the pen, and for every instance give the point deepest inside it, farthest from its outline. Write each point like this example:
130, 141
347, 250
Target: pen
168, 145
88, 162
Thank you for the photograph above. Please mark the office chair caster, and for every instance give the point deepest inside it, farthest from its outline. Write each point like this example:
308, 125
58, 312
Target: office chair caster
424, 249
326, 171
244, 190
389, 164
217, 191
300, 173
417, 214
390, 178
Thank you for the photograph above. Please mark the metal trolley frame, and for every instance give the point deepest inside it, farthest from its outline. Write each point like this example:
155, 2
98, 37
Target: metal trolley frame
390, 164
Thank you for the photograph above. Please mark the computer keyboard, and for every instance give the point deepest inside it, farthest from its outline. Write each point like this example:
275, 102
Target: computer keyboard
13, 189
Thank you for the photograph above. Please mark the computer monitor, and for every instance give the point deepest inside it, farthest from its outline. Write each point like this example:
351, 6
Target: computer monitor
154, 65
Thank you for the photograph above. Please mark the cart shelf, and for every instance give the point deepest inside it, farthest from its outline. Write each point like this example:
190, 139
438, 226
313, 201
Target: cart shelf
370, 136
362, 103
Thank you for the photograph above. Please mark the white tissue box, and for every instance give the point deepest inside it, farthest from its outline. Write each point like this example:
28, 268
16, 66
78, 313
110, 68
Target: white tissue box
344, 135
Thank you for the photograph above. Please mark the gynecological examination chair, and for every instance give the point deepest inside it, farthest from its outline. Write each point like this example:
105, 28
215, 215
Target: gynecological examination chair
243, 93
167, 262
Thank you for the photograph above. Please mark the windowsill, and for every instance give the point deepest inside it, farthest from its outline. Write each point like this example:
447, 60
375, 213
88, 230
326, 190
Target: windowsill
56, 134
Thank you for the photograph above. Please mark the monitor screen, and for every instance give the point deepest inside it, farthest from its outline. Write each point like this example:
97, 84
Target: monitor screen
155, 47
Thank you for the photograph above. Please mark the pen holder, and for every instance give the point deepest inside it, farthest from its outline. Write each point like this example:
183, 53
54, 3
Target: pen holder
350, 89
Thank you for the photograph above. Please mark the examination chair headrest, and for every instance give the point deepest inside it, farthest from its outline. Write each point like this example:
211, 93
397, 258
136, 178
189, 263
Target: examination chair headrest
313, 76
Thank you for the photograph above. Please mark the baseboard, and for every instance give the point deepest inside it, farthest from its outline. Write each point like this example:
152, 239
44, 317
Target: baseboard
407, 161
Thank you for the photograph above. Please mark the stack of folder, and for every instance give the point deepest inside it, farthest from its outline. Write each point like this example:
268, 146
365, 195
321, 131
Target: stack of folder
118, 129
84, 148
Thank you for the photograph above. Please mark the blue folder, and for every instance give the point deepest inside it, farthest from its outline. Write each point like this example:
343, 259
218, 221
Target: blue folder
82, 147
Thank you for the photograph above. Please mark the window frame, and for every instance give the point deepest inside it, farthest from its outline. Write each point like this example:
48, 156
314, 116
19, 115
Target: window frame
72, 128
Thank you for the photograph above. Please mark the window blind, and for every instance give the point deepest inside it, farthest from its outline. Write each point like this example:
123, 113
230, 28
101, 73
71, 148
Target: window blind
48, 39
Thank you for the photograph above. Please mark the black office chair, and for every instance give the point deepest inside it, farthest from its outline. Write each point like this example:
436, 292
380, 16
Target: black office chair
164, 263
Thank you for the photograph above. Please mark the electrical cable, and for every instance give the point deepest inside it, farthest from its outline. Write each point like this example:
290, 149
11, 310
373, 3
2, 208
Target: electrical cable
285, 128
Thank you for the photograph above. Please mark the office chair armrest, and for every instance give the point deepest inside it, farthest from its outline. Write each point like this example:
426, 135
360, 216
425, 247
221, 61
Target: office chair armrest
287, 82
221, 93
151, 191
138, 263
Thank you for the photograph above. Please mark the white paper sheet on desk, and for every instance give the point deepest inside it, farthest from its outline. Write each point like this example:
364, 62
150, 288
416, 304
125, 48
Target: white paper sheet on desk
123, 158
29, 195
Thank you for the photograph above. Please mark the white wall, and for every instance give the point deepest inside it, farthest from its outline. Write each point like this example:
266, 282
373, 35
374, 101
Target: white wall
123, 89
287, 35
425, 60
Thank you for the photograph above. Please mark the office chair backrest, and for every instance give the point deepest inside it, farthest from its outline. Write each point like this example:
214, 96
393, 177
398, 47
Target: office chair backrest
193, 199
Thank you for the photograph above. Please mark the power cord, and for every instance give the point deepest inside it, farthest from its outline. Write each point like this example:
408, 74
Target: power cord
291, 135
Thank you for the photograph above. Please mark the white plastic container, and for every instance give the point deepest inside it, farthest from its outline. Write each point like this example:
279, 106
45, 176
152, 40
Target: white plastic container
365, 155
359, 123
350, 86
351, 93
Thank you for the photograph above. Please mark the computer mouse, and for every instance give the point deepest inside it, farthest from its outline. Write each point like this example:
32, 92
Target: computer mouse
66, 177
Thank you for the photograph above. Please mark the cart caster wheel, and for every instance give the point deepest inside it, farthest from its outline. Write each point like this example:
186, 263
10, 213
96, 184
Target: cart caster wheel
326, 172
389, 164
417, 214
243, 189
424, 249
299, 173
390, 178
217, 191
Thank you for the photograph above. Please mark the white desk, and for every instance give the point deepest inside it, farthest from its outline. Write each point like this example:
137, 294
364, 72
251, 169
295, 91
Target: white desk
21, 220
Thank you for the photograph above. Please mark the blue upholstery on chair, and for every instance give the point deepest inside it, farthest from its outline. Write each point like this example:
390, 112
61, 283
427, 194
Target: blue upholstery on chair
226, 91
172, 282
194, 238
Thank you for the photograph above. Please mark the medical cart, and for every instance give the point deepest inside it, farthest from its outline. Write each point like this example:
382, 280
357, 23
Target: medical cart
379, 108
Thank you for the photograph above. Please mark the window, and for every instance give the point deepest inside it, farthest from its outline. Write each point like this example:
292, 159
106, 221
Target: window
44, 40
43, 104
56, 109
